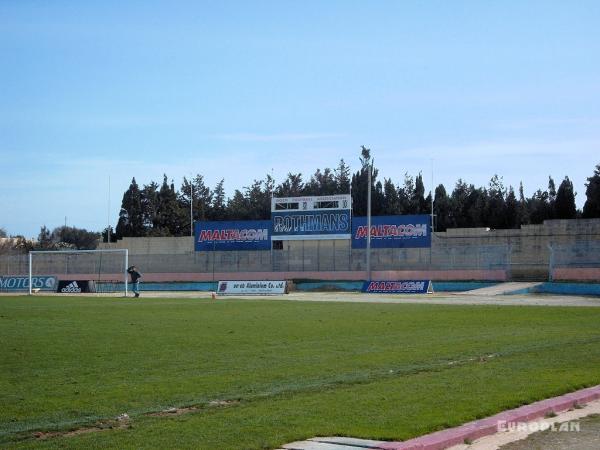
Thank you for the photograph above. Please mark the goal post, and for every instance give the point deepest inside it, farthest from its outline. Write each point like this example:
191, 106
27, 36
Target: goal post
105, 266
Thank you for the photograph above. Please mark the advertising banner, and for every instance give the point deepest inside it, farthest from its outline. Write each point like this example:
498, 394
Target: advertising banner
232, 235
75, 286
251, 287
392, 231
311, 218
398, 287
301, 225
42, 282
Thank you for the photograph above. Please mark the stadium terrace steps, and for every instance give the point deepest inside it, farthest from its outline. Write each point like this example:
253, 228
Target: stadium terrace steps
502, 288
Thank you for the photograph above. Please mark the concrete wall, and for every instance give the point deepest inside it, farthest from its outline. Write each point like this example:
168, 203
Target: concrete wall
523, 254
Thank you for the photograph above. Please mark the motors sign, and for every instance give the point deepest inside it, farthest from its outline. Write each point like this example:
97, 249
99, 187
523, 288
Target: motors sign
233, 235
21, 283
392, 232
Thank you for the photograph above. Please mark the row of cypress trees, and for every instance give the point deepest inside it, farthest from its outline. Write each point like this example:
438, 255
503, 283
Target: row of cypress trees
162, 210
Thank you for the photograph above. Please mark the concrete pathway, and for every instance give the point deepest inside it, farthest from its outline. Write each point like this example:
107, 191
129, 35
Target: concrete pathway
501, 289
461, 436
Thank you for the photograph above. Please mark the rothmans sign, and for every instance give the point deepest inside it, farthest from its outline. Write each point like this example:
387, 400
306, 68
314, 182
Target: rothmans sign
311, 218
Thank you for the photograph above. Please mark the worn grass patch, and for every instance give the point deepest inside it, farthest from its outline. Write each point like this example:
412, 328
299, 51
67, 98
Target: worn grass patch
258, 373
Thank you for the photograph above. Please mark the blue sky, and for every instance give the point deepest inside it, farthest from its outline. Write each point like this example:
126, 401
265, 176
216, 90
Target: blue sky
92, 90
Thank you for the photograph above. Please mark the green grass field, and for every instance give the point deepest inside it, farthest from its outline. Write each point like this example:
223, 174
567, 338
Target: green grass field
289, 370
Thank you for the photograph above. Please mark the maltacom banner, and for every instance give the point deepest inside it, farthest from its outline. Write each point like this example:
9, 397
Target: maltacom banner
392, 231
232, 235
398, 287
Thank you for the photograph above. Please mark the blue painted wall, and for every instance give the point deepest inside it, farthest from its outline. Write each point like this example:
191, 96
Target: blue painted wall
567, 288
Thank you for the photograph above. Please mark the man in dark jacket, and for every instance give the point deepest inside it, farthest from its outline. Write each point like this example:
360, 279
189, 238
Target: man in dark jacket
135, 279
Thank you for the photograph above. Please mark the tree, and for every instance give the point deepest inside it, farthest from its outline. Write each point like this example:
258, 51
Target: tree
495, 205
441, 209
185, 198
523, 211
3, 233
108, 231
258, 198
149, 203
538, 207
45, 239
321, 183
551, 197
171, 220
512, 217
202, 198
405, 195
130, 217
23, 245
342, 177
291, 187
391, 201
591, 208
420, 205
360, 186
460, 205
75, 238
475, 207
218, 211
564, 205
238, 207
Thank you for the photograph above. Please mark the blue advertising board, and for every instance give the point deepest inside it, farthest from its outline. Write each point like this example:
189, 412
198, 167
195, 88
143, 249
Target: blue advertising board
232, 235
19, 283
315, 224
398, 287
392, 231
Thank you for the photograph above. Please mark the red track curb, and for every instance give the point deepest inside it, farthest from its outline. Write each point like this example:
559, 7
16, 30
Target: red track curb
479, 428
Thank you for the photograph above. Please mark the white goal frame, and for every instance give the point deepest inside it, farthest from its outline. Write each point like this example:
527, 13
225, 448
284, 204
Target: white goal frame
63, 252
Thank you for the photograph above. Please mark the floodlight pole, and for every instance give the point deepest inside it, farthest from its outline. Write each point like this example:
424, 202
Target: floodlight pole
369, 223
432, 228
108, 215
432, 193
30, 277
191, 207
126, 267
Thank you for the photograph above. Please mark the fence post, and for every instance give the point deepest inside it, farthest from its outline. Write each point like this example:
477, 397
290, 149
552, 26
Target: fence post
509, 262
551, 263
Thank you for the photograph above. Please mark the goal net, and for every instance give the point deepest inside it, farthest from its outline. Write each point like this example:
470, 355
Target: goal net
100, 271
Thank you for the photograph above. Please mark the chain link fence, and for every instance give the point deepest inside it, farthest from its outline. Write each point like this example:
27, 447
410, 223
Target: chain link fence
579, 260
295, 256
540, 258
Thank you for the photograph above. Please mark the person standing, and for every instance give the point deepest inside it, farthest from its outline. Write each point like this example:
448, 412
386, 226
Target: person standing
135, 280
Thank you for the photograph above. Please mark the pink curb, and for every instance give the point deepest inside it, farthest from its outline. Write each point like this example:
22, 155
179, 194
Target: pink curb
484, 427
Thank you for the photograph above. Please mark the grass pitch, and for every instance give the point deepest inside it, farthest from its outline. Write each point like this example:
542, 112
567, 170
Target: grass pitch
264, 372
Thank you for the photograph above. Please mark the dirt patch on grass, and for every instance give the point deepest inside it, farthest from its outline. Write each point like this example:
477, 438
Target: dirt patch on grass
124, 421
173, 412
104, 425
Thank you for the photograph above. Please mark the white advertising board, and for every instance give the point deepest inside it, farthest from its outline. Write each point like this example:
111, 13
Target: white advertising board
262, 287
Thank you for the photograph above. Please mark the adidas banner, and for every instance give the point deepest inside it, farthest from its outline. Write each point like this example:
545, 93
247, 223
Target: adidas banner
75, 286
